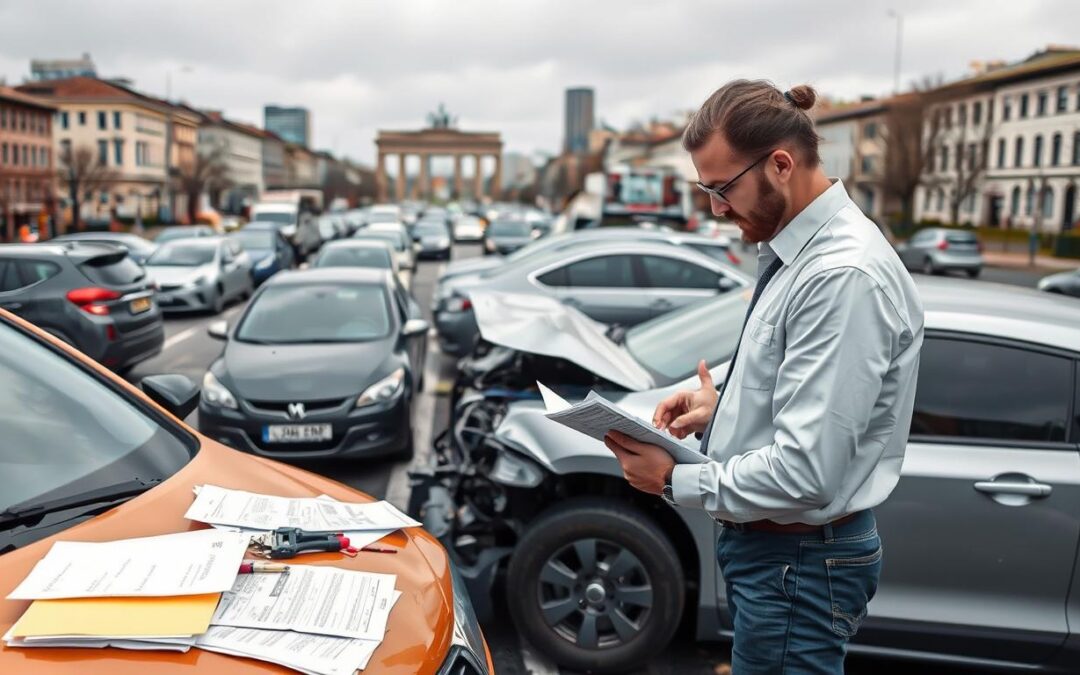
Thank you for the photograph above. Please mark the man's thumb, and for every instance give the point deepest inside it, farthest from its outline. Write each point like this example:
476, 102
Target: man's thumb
704, 375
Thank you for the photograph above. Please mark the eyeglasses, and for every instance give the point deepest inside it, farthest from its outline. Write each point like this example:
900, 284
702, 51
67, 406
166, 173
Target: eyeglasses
718, 192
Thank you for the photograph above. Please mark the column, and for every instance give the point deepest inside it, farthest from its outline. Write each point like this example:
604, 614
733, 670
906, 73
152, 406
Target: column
399, 188
478, 179
422, 188
380, 178
457, 176
496, 178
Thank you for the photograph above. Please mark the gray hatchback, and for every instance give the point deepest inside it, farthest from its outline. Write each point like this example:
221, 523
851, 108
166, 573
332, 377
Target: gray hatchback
937, 250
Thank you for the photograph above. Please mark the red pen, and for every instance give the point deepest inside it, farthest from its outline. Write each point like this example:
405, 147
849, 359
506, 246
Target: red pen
258, 566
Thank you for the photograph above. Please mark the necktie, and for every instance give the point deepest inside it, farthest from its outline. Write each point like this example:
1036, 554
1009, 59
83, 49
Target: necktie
762, 282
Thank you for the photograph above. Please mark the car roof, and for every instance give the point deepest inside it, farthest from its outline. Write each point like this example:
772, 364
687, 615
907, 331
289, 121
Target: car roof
261, 225
324, 275
366, 242
633, 247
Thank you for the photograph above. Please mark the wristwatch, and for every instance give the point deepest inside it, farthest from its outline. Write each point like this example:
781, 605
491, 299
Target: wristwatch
668, 494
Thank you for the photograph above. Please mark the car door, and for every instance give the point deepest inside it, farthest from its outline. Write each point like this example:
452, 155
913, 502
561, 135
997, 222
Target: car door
604, 287
242, 271
981, 533
229, 265
673, 282
416, 345
11, 296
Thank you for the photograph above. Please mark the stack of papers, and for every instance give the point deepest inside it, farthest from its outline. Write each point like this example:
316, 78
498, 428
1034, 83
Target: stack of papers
147, 593
254, 513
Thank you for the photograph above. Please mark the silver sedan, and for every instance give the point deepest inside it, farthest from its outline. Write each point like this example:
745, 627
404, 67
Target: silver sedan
937, 250
200, 274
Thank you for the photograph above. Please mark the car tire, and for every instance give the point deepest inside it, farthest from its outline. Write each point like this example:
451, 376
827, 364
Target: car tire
555, 613
973, 274
928, 267
217, 305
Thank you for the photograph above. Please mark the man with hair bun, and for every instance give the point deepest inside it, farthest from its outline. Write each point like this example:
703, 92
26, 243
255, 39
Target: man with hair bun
807, 432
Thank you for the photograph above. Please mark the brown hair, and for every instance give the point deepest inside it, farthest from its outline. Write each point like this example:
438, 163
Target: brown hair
755, 117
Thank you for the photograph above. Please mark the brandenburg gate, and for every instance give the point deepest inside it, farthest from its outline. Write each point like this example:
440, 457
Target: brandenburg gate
441, 138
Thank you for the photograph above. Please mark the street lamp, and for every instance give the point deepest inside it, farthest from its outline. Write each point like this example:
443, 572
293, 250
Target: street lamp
899, 42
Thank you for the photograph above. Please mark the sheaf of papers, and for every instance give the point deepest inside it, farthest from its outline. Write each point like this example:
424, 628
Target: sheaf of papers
178, 644
117, 617
237, 508
595, 416
310, 599
186, 563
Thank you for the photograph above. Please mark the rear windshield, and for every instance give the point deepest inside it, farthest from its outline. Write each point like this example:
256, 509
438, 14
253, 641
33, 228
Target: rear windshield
509, 228
393, 237
183, 254
961, 238
254, 240
346, 256
108, 271
275, 217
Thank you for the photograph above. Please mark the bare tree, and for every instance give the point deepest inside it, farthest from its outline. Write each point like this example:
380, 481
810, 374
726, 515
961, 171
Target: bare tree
84, 175
207, 174
971, 161
911, 140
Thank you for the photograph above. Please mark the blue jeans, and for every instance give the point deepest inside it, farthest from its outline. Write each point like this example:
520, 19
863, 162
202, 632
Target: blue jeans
796, 599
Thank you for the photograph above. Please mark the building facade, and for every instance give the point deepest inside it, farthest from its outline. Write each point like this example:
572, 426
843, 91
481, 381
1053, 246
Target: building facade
59, 69
853, 149
580, 111
240, 148
275, 174
291, 124
301, 167
27, 169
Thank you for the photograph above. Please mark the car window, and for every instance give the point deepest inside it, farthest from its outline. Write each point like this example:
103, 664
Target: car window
606, 271
65, 432
714, 252
317, 313
664, 272
961, 238
976, 390
112, 270
36, 271
342, 256
9, 276
183, 254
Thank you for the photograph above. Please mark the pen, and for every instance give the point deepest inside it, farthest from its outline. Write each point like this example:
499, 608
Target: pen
376, 549
258, 566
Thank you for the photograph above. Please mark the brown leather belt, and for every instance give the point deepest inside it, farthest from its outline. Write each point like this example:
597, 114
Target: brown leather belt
781, 528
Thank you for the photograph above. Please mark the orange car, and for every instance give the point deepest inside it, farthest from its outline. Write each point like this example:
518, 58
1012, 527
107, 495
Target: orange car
84, 456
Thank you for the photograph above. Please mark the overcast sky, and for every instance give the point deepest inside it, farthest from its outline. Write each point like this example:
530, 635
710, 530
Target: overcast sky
502, 65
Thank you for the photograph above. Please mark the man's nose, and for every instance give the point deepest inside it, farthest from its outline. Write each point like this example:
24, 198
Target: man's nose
719, 207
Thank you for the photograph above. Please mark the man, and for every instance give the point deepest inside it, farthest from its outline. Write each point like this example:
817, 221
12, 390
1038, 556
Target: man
808, 431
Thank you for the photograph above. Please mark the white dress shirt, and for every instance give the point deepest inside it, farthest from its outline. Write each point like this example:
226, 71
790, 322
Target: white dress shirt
815, 420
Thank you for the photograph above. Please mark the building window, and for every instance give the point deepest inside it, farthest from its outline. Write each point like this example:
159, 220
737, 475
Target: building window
961, 115
82, 118
870, 130
1040, 108
102, 120
926, 199
22, 120
1055, 150
944, 158
1023, 106
1014, 205
118, 151
976, 113
103, 153
969, 203
1048, 203
867, 164
1018, 152
1029, 200
1062, 99
116, 119
64, 120
65, 150
959, 156
1076, 149
940, 200
1006, 108
948, 118
1001, 153
972, 156
4, 153
3, 118
141, 155
1037, 159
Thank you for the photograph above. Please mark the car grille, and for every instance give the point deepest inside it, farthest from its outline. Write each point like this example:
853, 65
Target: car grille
169, 287
309, 406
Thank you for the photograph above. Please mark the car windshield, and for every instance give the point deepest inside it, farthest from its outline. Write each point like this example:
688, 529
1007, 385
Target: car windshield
254, 240
706, 330
311, 313
174, 233
284, 217
66, 432
393, 237
184, 254
354, 256
382, 217
431, 228
509, 228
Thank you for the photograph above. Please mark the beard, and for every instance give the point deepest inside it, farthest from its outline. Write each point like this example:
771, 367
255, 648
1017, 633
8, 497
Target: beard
763, 221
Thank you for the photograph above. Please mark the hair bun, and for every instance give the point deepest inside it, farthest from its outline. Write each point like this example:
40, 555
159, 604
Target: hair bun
803, 96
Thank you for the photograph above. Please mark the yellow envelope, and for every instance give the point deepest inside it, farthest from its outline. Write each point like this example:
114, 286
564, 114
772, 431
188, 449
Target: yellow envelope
173, 615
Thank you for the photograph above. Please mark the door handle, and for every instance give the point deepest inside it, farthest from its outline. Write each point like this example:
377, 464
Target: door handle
1026, 489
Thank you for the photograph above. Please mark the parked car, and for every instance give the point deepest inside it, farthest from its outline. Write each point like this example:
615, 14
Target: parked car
330, 228
468, 228
611, 282
137, 247
506, 235
174, 232
269, 250
990, 484
91, 296
323, 363
86, 457
371, 253
434, 239
200, 275
1065, 283
298, 225
398, 237
937, 250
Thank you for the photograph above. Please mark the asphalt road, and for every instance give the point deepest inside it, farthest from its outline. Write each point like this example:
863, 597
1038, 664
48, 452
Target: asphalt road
189, 350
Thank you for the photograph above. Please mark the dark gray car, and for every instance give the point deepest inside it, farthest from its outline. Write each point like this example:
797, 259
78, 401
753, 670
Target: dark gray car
92, 296
137, 247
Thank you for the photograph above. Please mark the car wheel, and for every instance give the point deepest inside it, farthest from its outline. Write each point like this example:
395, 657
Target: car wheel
218, 303
928, 266
596, 586
973, 273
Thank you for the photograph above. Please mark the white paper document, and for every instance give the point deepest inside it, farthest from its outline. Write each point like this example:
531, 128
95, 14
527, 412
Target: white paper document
219, 506
310, 599
186, 563
323, 654
595, 416
163, 643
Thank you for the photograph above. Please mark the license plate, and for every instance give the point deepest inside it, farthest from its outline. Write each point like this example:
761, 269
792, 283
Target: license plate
296, 433
140, 305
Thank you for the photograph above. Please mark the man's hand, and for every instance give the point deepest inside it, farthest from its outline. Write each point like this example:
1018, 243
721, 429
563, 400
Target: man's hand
687, 412
646, 466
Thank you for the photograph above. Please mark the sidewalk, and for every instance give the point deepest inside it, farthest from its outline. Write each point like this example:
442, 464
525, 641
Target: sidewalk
1016, 259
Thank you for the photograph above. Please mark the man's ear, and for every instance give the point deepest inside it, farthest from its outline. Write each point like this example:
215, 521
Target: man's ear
780, 164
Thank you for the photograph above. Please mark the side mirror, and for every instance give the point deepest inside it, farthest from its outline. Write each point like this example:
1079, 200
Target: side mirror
415, 327
176, 393
219, 330
727, 284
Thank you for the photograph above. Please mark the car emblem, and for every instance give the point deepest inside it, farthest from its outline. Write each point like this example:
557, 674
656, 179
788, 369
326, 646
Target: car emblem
296, 411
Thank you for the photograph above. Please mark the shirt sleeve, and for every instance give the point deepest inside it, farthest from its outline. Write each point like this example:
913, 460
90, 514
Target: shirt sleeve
842, 332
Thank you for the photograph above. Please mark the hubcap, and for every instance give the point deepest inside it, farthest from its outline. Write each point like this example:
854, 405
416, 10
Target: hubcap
595, 593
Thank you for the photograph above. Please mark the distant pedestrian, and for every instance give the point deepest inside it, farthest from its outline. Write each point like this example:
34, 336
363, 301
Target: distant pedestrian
808, 431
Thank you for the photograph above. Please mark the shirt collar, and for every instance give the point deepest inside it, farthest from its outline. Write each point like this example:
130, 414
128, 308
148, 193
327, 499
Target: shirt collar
791, 240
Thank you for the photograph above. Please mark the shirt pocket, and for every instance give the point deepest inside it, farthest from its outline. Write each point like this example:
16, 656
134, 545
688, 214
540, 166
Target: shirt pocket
759, 355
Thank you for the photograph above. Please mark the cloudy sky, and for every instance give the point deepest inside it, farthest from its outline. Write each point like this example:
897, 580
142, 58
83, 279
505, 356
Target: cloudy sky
360, 66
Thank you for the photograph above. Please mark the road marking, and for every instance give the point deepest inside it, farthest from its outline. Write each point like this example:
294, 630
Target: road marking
535, 663
180, 337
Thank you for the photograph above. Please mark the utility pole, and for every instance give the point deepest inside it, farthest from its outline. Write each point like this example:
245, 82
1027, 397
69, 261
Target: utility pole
899, 44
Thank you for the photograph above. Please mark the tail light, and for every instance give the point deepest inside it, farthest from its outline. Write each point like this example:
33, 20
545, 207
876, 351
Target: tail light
943, 245
733, 258
92, 300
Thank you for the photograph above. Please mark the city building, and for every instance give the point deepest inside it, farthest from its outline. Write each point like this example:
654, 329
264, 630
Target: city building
579, 119
853, 148
1007, 146
291, 124
59, 69
147, 142
26, 161
240, 149
275, 175
301, 167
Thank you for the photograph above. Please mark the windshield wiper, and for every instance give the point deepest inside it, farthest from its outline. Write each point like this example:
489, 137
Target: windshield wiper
31, 509
256, 341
